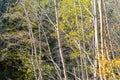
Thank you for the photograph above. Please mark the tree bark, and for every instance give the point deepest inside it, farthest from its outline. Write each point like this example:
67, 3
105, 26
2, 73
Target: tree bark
96, 35
59, 42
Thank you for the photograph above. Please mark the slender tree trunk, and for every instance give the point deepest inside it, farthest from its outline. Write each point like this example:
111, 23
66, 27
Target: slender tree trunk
31, 38
107, 29
81, 57
83, 39
96, 35
107, 41
101, 34
55, 65
33, 46
59, 42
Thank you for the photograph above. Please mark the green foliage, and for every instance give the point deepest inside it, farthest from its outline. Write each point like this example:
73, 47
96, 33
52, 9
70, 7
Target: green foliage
14, 65
74, 20
17, 58
70, 18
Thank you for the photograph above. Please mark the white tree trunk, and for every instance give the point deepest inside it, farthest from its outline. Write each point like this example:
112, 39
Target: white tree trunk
96, 35
59, 42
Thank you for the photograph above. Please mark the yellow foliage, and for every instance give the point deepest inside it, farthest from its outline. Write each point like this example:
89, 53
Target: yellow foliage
74, 55
70, 18
108, 67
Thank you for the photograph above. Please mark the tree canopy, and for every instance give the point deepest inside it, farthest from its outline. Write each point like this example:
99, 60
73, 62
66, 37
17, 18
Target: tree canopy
59, 40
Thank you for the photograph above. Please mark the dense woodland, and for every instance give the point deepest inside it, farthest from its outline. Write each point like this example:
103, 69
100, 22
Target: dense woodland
59, 40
